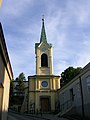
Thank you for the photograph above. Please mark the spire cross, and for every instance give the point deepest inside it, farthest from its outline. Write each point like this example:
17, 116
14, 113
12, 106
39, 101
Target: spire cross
43, 34
43, 18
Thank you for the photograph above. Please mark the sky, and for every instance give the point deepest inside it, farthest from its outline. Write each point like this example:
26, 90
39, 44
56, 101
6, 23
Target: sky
67, 26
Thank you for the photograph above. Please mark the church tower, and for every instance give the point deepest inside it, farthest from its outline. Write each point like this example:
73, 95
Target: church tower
43, 51
44, 85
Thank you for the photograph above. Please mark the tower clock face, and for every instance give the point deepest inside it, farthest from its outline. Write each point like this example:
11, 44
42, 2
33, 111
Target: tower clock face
44, 83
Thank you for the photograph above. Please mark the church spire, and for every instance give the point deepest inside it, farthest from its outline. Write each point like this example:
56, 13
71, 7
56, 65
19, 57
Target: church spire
43, 34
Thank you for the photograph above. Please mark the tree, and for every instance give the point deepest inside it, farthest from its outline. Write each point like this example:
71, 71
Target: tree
17, 91
20, 86
11, 92
69, 74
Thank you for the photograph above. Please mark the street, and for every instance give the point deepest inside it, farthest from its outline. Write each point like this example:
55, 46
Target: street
15, 116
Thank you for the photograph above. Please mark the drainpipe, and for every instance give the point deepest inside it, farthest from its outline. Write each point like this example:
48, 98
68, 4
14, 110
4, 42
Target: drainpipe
82, 99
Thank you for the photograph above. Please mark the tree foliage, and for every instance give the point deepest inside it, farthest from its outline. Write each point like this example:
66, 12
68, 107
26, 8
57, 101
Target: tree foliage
11, 91
20, 86
69, 74
17, 90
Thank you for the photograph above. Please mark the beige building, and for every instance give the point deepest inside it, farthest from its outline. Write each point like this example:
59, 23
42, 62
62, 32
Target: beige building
5, 76
74, 97
43, 86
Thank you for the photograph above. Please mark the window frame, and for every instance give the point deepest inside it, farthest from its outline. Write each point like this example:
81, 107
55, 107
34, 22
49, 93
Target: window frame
88, 83
44, 60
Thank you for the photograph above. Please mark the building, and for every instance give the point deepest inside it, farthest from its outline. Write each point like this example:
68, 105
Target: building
74, 97
19, 96
5, 76
43, 86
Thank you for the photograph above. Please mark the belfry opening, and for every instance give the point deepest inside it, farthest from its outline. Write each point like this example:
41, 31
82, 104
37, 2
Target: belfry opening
44, 60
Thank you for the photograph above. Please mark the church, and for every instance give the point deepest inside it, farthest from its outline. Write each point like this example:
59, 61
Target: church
42, 92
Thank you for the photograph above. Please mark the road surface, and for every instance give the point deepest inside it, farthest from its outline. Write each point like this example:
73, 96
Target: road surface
15, 116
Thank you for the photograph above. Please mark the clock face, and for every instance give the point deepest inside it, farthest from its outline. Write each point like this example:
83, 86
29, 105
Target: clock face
44, 83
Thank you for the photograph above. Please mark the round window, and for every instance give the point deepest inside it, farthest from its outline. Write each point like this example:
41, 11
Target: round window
44, 83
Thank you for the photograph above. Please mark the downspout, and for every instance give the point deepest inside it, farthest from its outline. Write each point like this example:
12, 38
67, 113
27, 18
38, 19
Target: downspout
82, 99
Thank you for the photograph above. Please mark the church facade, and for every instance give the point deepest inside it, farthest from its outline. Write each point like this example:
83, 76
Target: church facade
44, 85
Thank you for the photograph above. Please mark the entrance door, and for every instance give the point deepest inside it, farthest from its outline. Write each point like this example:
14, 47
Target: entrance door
45, 104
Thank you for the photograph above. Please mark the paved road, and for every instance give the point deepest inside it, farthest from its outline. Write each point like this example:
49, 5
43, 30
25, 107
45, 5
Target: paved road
14, 116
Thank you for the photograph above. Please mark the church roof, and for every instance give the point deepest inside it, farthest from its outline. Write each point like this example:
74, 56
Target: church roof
43, 33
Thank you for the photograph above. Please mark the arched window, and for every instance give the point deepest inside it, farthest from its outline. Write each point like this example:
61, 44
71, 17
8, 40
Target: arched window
44, 60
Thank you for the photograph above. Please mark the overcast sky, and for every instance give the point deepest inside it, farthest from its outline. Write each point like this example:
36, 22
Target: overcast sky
67, 25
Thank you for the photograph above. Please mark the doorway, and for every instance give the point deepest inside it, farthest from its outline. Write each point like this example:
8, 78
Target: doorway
45, 104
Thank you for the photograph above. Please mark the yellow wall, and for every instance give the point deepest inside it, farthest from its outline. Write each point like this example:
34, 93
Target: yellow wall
40, 70
5, 95
5, 76
4, 91
36, 90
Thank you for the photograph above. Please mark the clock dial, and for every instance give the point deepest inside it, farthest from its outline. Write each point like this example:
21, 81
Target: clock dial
44, 83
